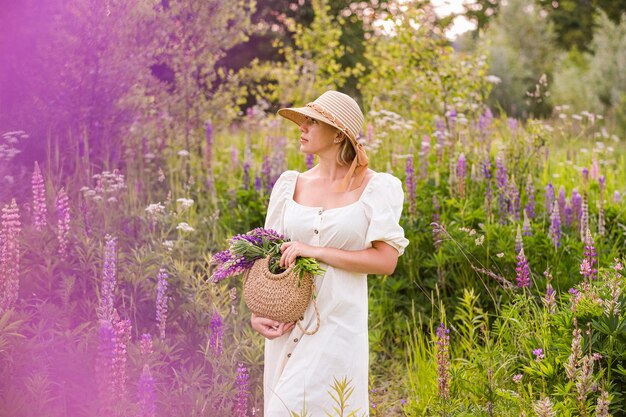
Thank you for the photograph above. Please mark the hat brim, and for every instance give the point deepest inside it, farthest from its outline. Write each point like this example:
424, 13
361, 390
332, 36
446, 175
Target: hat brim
299, 114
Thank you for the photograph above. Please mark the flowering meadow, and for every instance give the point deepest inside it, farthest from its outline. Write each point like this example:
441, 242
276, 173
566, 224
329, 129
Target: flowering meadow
509, 300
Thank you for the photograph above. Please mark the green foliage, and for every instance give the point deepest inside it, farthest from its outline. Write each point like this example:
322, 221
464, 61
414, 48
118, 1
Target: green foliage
520, 46
417, 74
311, 67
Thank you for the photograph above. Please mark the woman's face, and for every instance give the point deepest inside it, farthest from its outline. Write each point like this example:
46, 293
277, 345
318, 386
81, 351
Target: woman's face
317, 137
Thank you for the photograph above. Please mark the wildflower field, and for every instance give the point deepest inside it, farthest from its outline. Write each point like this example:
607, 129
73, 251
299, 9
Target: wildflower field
118, 186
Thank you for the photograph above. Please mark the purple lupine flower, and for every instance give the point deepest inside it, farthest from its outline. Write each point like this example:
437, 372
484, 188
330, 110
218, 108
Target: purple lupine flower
561, 200
585, 174
589, 270
39, 199
309, 160
121, 329
555, 226
104, 367
484, 122
530, 197
410, 185
502, 184
146, 395
217, 332
513, 124
526, 229
577, 201
522, 271
569, 216
63, 223
549, 199
246, 175
514, 200
442, 348
9, 256
107, 290
161, 302
461, 173
519, 242
232, 266
266, 174
258, 184
617, 197
539, 355
241, 406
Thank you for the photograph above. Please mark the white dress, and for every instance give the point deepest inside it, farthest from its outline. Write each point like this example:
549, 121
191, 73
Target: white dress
299, 369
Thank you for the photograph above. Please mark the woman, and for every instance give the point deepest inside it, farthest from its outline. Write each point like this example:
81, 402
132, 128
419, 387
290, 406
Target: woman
346, 216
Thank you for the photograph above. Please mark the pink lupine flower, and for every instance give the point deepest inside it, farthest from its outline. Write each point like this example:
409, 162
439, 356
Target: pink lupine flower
40, 210
588, 265
517, 378
522, 271
107, 290
161, 302
121, 329
63, 223
461, 173
442, 343
9, 256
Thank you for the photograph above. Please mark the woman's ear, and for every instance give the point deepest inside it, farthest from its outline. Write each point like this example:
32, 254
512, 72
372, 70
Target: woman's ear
339, 137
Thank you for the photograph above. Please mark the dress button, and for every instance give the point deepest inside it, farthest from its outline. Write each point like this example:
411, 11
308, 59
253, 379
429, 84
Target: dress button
319, 212
295, 340
316, 231
289, 355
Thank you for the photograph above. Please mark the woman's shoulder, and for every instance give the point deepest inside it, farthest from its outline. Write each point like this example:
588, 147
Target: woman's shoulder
383, 179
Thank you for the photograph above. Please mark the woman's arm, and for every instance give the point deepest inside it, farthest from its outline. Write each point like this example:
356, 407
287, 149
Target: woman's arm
381, 258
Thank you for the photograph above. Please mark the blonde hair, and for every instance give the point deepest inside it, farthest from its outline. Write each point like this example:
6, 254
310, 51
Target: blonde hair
347, 153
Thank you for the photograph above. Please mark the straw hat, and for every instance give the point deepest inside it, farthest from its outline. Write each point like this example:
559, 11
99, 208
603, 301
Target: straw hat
334, 108
341, 111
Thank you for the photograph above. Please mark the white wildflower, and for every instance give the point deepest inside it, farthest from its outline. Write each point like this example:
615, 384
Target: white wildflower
185, 202
182, 226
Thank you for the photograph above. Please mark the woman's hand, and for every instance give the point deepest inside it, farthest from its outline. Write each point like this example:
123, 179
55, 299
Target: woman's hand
291, 250
269, 328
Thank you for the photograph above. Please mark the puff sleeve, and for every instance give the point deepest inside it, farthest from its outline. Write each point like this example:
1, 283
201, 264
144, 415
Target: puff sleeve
282, 191
383, 202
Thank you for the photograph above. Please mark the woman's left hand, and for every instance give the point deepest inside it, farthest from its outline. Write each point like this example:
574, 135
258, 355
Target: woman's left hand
291, 250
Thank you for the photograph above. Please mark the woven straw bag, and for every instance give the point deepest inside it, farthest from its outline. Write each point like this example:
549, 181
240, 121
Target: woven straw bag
282, 297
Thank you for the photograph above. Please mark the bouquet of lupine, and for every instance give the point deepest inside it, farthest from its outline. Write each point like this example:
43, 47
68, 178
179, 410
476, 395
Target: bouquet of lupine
258, 243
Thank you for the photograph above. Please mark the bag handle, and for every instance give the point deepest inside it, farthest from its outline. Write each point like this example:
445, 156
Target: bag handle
317, 316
